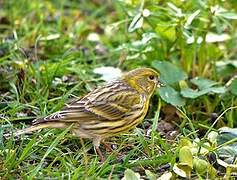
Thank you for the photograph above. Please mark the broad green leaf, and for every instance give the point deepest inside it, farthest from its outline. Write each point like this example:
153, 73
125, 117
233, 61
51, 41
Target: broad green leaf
203, 83
227, 136
185, 156
150, 175
228, 15
218, 90
226, 67
136, 23
130, 175
185, 142
200, 165
182, 170
212, 137
220, 11
227, 62
166, 31
169, 95
233, 87
190, 93
170, 73
205, 86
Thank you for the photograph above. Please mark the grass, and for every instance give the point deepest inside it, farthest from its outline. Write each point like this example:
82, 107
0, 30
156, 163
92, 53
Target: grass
46, 58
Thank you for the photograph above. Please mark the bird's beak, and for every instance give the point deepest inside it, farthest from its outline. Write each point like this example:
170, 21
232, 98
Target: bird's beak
160, 84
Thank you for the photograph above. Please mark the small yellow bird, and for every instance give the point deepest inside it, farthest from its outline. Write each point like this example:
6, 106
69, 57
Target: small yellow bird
106, 111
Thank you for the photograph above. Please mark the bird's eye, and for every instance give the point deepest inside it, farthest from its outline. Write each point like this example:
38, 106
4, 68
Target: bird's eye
151, 77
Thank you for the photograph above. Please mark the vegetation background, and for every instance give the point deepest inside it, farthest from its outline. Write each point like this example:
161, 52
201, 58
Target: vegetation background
49, 50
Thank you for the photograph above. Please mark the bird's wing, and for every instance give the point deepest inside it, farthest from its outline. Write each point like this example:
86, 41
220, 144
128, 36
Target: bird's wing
111, 102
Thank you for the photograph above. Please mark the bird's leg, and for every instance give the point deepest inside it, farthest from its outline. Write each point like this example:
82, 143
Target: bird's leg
98, 151
110, 149
96, 142
107, 146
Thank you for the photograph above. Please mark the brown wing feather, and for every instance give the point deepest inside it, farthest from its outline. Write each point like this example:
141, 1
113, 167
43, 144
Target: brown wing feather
111, 102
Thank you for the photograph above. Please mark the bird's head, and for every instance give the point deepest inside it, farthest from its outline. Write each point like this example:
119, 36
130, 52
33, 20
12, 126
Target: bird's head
144, 80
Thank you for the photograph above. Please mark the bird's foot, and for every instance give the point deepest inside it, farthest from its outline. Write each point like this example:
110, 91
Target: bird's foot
98, 151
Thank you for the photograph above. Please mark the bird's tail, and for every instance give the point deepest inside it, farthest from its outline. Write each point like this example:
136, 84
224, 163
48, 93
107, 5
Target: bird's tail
35, 128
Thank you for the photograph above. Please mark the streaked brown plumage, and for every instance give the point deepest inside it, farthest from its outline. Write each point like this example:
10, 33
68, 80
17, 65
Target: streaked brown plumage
117, 107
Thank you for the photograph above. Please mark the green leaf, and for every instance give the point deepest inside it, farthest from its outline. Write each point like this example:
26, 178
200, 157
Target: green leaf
205, 86
191, 17
145, 40
166, 31
169, 95
182, 170
175, 10
200, 165
139, 46
226, 134
130, 175
185, 156
150, 175
218, 90
190, 93
226, 68
170, 73
233, 87
136, 23
226, 62
185, 142
203, 83
228, 15
146, 37
227, 138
